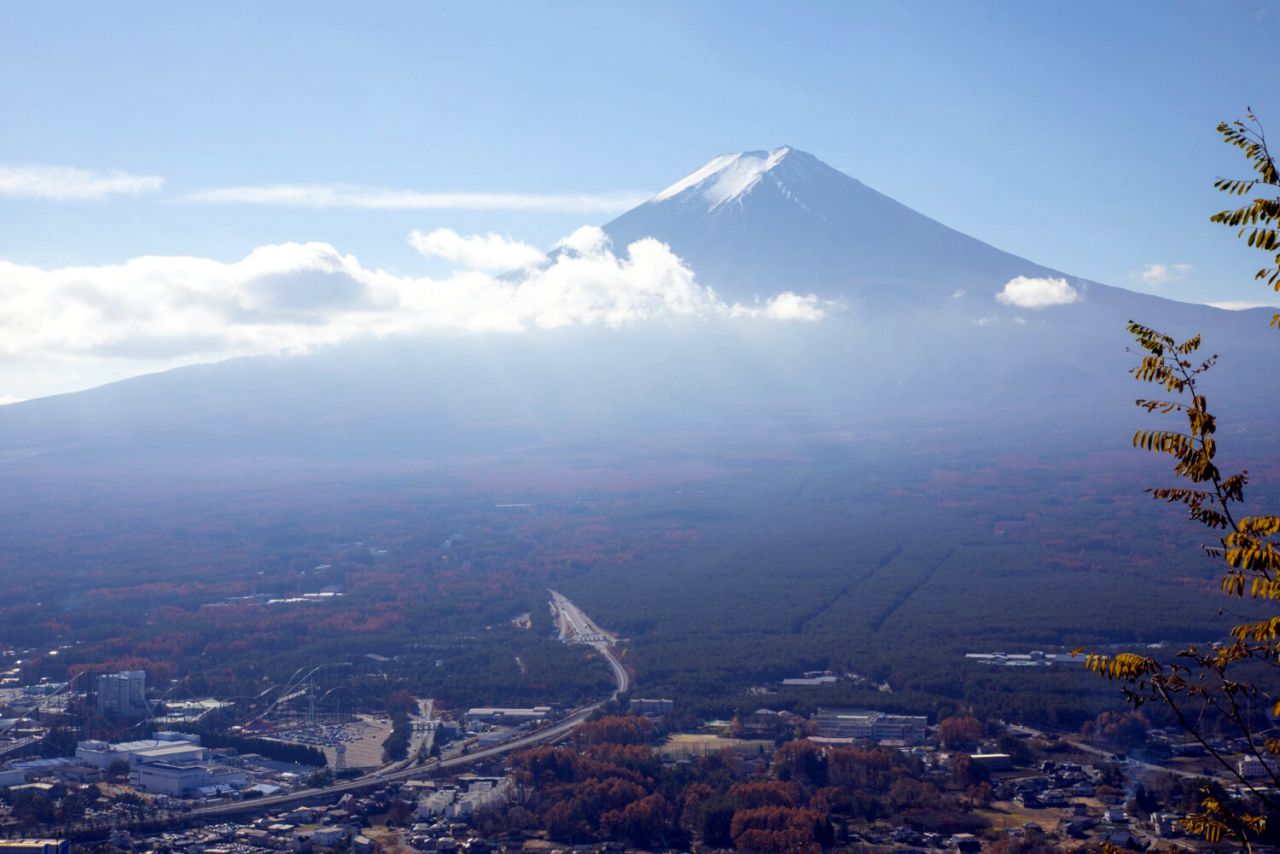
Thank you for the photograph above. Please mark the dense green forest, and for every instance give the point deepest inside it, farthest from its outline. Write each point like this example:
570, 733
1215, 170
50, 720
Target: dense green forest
871, 558
894, 574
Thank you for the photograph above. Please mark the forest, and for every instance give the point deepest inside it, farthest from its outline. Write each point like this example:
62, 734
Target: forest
868, 558
611, 784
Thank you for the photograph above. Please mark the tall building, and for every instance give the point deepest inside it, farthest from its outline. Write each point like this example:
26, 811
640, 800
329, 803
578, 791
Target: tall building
122, 694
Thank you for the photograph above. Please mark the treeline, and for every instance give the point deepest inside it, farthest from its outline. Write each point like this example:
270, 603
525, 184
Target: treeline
611, 784
396, 745
60, 805
298, 754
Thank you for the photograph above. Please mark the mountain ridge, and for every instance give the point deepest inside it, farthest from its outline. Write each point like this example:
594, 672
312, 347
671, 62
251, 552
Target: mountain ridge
915, 317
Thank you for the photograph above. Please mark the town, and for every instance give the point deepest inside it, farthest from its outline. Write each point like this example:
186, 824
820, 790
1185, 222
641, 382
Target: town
301, 775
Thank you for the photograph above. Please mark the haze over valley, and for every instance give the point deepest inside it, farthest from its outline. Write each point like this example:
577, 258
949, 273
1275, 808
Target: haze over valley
750, 512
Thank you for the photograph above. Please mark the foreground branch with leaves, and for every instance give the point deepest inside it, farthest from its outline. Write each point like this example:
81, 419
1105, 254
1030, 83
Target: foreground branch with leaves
1204, 684
1226, 684
1259, 220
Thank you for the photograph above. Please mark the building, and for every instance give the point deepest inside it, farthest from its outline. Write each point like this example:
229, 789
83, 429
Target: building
870, 725
453, 803
1115, 814
165, 747
653, 708
681, 746
41, 767
508, 716
122, 694
763, 722
1253, 768
172, 763
79, 773
34, 846
179, 778
317, 834
811, 679
435, 804
1165, 824
993, 761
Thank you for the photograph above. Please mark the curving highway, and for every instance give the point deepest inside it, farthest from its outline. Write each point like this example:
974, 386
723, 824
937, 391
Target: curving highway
580, 629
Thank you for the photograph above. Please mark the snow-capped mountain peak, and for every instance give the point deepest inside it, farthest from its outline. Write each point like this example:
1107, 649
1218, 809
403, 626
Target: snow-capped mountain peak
726, 177
754, 223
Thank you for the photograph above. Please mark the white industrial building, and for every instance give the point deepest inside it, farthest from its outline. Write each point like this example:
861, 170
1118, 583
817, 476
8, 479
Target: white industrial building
490, 715
165, 747
453, 803
1253, 768
172, 763
179, 778
870, 725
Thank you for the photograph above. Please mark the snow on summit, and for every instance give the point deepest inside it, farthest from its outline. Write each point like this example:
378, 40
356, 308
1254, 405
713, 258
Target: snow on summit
726, 177
756, 223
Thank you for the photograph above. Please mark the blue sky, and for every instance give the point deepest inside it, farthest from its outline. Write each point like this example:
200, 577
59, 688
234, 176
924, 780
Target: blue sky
1079, 135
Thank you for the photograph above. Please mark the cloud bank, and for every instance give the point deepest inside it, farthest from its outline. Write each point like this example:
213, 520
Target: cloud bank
1033, 293
68, 183
381, 198
158, 311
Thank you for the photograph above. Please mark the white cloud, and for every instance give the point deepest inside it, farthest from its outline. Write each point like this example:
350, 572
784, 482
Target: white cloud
477, 251
1241, 305
585, 240
958, 293
67, 183
1158, 275
158, 311
1026, 292
347, 196
789, 305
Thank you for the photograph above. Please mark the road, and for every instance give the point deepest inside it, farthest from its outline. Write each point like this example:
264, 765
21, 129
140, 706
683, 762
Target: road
574, 625
583, 630
577, 627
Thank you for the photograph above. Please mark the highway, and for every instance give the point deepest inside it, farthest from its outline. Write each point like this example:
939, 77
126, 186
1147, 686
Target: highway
582, 630
577, 627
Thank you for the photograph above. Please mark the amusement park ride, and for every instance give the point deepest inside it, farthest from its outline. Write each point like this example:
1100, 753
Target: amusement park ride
313, 696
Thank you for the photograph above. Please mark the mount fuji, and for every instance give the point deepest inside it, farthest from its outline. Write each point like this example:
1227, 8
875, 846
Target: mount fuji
922, 322
749, 222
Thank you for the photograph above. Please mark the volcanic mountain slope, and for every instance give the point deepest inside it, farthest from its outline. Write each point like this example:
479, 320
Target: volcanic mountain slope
754, 223
919, 321
747, 222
